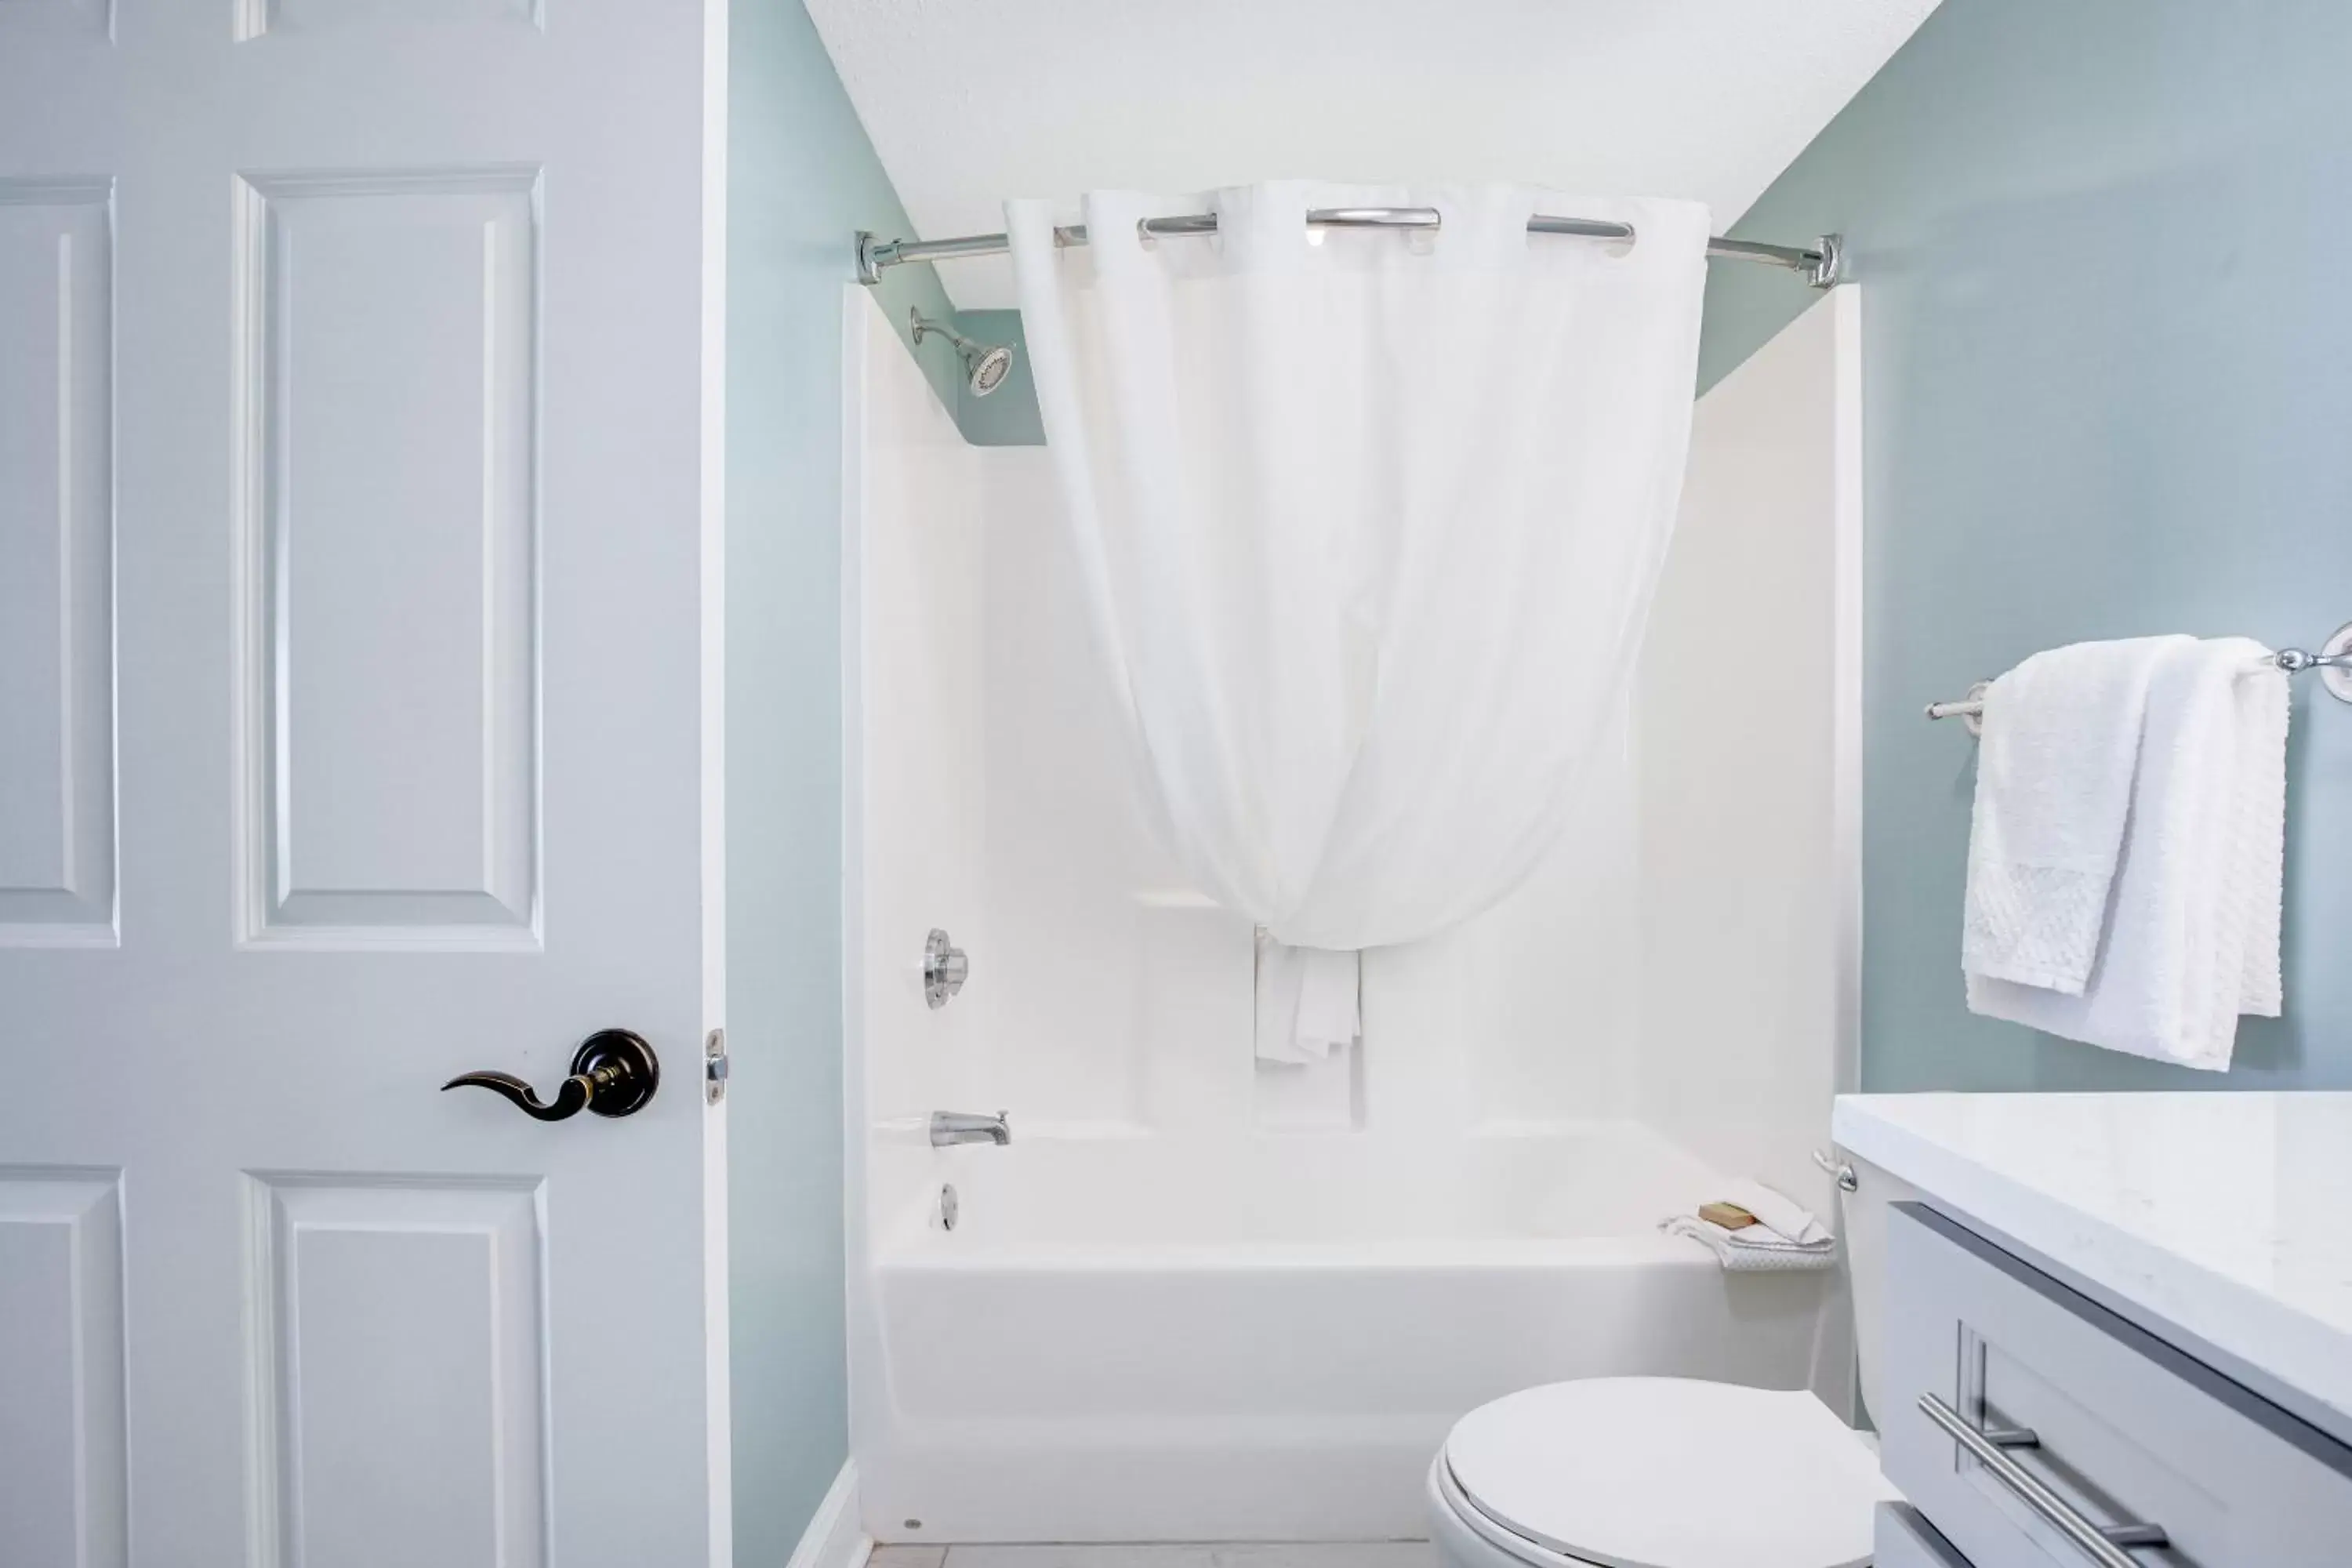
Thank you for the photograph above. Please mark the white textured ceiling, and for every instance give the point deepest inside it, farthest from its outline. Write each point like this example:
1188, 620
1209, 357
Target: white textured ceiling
970, 101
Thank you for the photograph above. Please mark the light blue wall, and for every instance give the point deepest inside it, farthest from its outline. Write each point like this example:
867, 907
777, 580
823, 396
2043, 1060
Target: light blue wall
2108, 390
802, 179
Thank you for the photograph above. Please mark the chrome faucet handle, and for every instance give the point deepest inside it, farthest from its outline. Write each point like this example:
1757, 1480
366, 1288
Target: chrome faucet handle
1837, 1169
945, 968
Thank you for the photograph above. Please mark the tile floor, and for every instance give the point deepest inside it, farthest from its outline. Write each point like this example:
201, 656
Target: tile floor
1369, 1554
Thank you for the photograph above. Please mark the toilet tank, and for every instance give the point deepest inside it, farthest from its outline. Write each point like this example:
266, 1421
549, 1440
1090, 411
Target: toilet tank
1865, 1215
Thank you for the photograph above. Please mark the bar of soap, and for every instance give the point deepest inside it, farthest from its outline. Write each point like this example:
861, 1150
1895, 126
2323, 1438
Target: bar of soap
1730, 1216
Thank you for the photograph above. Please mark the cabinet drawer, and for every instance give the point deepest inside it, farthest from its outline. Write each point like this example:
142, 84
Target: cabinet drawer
2125, 1429
1904, 1539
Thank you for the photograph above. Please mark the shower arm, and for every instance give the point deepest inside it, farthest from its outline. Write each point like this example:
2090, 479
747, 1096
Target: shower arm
920, 327
1822, 262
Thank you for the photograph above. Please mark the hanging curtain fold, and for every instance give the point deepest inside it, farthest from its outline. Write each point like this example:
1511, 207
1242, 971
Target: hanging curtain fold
1370, 522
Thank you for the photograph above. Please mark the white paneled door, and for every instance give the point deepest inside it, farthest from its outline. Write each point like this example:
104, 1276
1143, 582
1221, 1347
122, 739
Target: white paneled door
355, 428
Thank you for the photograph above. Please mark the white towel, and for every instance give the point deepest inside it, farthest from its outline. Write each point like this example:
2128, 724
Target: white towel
1785, 1237
2192, 920
1788, 1219
2061, 735
1308, 1001
1739, 1254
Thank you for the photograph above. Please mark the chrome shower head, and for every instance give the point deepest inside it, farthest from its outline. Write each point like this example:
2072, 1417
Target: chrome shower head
985, 364
988, 371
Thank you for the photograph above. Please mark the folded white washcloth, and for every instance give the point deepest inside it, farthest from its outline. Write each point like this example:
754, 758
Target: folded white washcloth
2062, 738
2191, 931
1741, 1254
1308, 1001
1785, 1236
1788, 1219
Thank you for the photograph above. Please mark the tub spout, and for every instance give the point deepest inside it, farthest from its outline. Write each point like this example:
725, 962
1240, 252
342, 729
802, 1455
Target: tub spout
963, 1127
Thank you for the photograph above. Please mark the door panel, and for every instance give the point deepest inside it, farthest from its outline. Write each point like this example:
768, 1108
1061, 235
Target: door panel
400, 1330
392, 17
57, 588
61, 1425
352, 540
387, 374
31, 19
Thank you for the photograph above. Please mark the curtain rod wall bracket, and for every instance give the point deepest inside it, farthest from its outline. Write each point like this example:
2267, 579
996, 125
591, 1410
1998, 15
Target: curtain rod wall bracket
1822, 263
1828, 272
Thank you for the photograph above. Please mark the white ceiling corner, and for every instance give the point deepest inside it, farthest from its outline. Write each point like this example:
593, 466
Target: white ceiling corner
970, 101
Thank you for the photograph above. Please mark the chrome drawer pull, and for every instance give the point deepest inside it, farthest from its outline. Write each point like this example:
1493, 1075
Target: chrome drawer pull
2102, 1544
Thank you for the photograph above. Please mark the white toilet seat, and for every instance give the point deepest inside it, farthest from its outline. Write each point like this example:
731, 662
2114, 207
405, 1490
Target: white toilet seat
1656, 1473
1464, 1536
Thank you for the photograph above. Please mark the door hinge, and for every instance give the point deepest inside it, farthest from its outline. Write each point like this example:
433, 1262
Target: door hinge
714, 1066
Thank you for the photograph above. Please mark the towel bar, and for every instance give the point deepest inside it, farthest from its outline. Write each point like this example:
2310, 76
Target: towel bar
2334, 662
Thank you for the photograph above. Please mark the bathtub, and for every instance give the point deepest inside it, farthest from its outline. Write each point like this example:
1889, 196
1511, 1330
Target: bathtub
1132, 1338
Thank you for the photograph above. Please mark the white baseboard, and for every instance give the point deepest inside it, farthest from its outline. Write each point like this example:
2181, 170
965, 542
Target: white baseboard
834, 1538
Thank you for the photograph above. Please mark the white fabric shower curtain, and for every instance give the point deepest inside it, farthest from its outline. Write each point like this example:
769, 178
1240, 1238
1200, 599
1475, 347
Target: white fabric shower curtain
1370, 521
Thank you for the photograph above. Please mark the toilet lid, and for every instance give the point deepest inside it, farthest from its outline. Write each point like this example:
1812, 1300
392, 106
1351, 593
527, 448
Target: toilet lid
1667, 1472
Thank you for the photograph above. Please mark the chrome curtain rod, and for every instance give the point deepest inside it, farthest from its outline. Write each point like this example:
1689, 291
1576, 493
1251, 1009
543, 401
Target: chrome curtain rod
1817, 261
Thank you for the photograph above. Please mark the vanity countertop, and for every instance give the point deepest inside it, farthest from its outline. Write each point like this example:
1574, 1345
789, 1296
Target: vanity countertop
2223, 1221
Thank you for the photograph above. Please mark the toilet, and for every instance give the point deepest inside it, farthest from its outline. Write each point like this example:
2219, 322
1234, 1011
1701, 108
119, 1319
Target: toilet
1671, 1472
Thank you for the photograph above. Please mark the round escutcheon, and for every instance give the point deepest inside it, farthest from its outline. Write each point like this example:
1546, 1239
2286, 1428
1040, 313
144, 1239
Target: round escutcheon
623, 1066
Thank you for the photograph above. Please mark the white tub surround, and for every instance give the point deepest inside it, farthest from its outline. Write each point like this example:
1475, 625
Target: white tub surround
1202, 1296
2214, 1220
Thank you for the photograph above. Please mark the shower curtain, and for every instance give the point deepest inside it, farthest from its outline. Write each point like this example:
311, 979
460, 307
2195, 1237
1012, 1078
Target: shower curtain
1370, 522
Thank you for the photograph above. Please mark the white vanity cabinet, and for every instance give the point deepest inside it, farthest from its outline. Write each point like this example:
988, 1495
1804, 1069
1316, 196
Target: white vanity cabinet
2030, 1425
2045, 1403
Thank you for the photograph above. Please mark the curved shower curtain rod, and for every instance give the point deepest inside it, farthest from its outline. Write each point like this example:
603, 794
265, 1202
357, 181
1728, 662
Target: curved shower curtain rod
1818, 261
